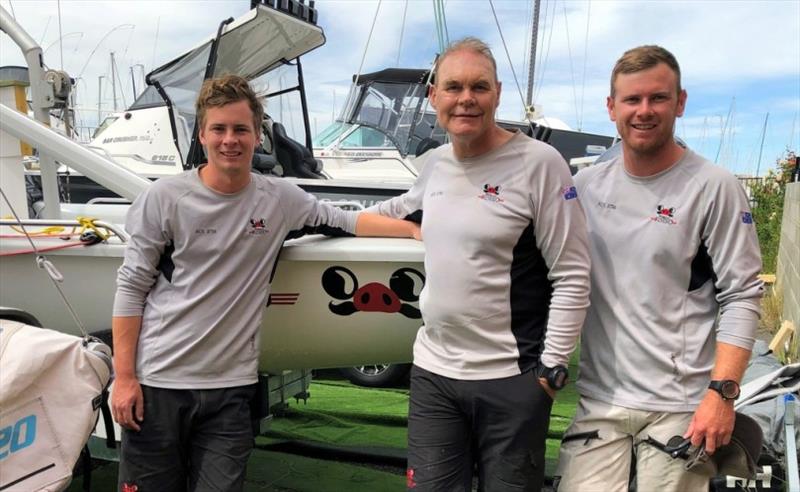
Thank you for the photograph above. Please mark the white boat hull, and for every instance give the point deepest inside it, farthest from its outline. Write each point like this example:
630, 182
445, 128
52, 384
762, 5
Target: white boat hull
300, 330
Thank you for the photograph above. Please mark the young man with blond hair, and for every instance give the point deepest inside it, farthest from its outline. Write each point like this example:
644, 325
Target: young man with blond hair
190, 297
675, 294
507, 266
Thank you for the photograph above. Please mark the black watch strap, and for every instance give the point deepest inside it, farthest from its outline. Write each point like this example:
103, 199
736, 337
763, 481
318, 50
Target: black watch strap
556, 377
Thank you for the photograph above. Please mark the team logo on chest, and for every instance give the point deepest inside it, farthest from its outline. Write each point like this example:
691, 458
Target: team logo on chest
258, 227
664, 215
491, 193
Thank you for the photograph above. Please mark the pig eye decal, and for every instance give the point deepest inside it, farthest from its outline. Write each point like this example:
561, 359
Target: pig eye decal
403, 281
334, 283
374, 296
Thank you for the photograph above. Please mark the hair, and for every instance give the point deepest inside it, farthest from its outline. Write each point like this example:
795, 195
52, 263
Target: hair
468, 44
226, 90
643, 58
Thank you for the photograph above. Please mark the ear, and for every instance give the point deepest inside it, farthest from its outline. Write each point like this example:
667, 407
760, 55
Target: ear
499, 87
610, 106
681, 102
432, 95
202, 136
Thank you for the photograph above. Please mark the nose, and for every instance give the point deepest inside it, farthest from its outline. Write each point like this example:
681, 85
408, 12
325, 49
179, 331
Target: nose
466, 97
645, 108
229, 137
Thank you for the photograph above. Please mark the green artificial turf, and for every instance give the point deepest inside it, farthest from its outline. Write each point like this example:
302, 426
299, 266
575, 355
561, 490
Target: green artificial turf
322, 445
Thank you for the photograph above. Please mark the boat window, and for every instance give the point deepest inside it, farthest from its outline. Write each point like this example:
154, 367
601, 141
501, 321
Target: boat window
330, 133
365, 136
105, 124
391, 108
150, 98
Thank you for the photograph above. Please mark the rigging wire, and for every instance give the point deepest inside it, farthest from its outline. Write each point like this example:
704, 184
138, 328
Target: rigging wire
508, 56
571, 67
45, 264
402, 30
546, 50
353, 86
585, 59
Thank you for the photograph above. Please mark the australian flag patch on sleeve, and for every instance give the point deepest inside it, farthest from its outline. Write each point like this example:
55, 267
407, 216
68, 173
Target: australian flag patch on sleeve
747, 218
569, 192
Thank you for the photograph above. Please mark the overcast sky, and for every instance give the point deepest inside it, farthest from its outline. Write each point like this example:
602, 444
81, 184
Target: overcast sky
740, 59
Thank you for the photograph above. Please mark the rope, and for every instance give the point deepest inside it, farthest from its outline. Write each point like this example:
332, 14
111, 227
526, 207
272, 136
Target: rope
87, 224
47, 266
42, 250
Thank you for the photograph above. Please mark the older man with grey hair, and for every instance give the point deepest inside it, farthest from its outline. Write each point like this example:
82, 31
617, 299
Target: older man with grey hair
507, 266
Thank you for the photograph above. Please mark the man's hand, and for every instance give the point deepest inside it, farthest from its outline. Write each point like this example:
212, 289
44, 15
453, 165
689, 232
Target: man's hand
713, 421
127, 403
416, 231
547, 389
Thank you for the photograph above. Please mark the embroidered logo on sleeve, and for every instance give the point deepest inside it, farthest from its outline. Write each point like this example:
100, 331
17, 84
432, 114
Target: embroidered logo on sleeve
747, 218
491, 193
664, 215
569, 192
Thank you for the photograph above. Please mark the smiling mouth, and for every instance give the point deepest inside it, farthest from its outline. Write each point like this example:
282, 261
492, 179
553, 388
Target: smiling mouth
643, 126
231, 154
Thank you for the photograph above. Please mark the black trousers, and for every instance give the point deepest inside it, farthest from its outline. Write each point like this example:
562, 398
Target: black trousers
498, 426
190, 440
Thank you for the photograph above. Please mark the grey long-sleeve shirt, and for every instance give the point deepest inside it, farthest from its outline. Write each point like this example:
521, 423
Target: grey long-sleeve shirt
669, 253
506, 260
197, 269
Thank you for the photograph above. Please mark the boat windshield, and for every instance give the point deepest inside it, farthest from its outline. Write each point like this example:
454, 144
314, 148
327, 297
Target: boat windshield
254, 46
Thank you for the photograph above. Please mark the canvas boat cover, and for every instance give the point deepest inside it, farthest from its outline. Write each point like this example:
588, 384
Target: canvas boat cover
51, 387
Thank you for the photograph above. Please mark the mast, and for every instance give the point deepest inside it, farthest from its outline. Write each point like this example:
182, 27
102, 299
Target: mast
532, 56
114, 80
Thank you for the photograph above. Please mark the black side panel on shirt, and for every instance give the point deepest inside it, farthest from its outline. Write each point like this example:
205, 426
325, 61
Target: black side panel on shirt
531, 292
702, 269
165, 264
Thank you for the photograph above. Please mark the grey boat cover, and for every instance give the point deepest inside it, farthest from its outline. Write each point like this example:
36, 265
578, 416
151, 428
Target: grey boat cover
50, 391
764, 384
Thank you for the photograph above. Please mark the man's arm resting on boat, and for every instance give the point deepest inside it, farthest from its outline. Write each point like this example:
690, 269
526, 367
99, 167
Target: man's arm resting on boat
714, 418
127, 403
370, 224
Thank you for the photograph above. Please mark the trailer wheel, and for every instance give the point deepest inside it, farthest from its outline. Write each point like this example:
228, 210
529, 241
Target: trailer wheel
376, 375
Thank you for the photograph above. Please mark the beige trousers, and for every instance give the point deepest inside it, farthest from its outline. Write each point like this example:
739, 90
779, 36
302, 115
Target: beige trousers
598, 447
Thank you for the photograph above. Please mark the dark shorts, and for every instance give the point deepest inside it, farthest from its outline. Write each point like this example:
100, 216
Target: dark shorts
496, 426
190, 440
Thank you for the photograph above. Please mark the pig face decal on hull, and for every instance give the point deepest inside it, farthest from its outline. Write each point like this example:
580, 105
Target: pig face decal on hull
374, 296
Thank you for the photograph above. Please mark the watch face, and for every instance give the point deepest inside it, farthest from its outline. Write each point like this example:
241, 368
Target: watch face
729, 389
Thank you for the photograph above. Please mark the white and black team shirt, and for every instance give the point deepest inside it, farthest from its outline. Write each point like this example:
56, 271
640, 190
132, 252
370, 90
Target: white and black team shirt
669, 253
197, 269
506, 260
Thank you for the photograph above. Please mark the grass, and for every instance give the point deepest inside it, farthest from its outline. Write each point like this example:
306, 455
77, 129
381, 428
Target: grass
319, 446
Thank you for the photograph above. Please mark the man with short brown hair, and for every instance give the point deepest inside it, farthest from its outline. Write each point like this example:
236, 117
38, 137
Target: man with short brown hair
190, 297
507, 266
673, 246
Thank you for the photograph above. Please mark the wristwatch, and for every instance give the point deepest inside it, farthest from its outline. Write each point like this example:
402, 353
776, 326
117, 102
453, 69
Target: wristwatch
727, 388
556, 376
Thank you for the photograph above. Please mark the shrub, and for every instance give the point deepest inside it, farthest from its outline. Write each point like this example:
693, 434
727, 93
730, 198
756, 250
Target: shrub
768, 196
